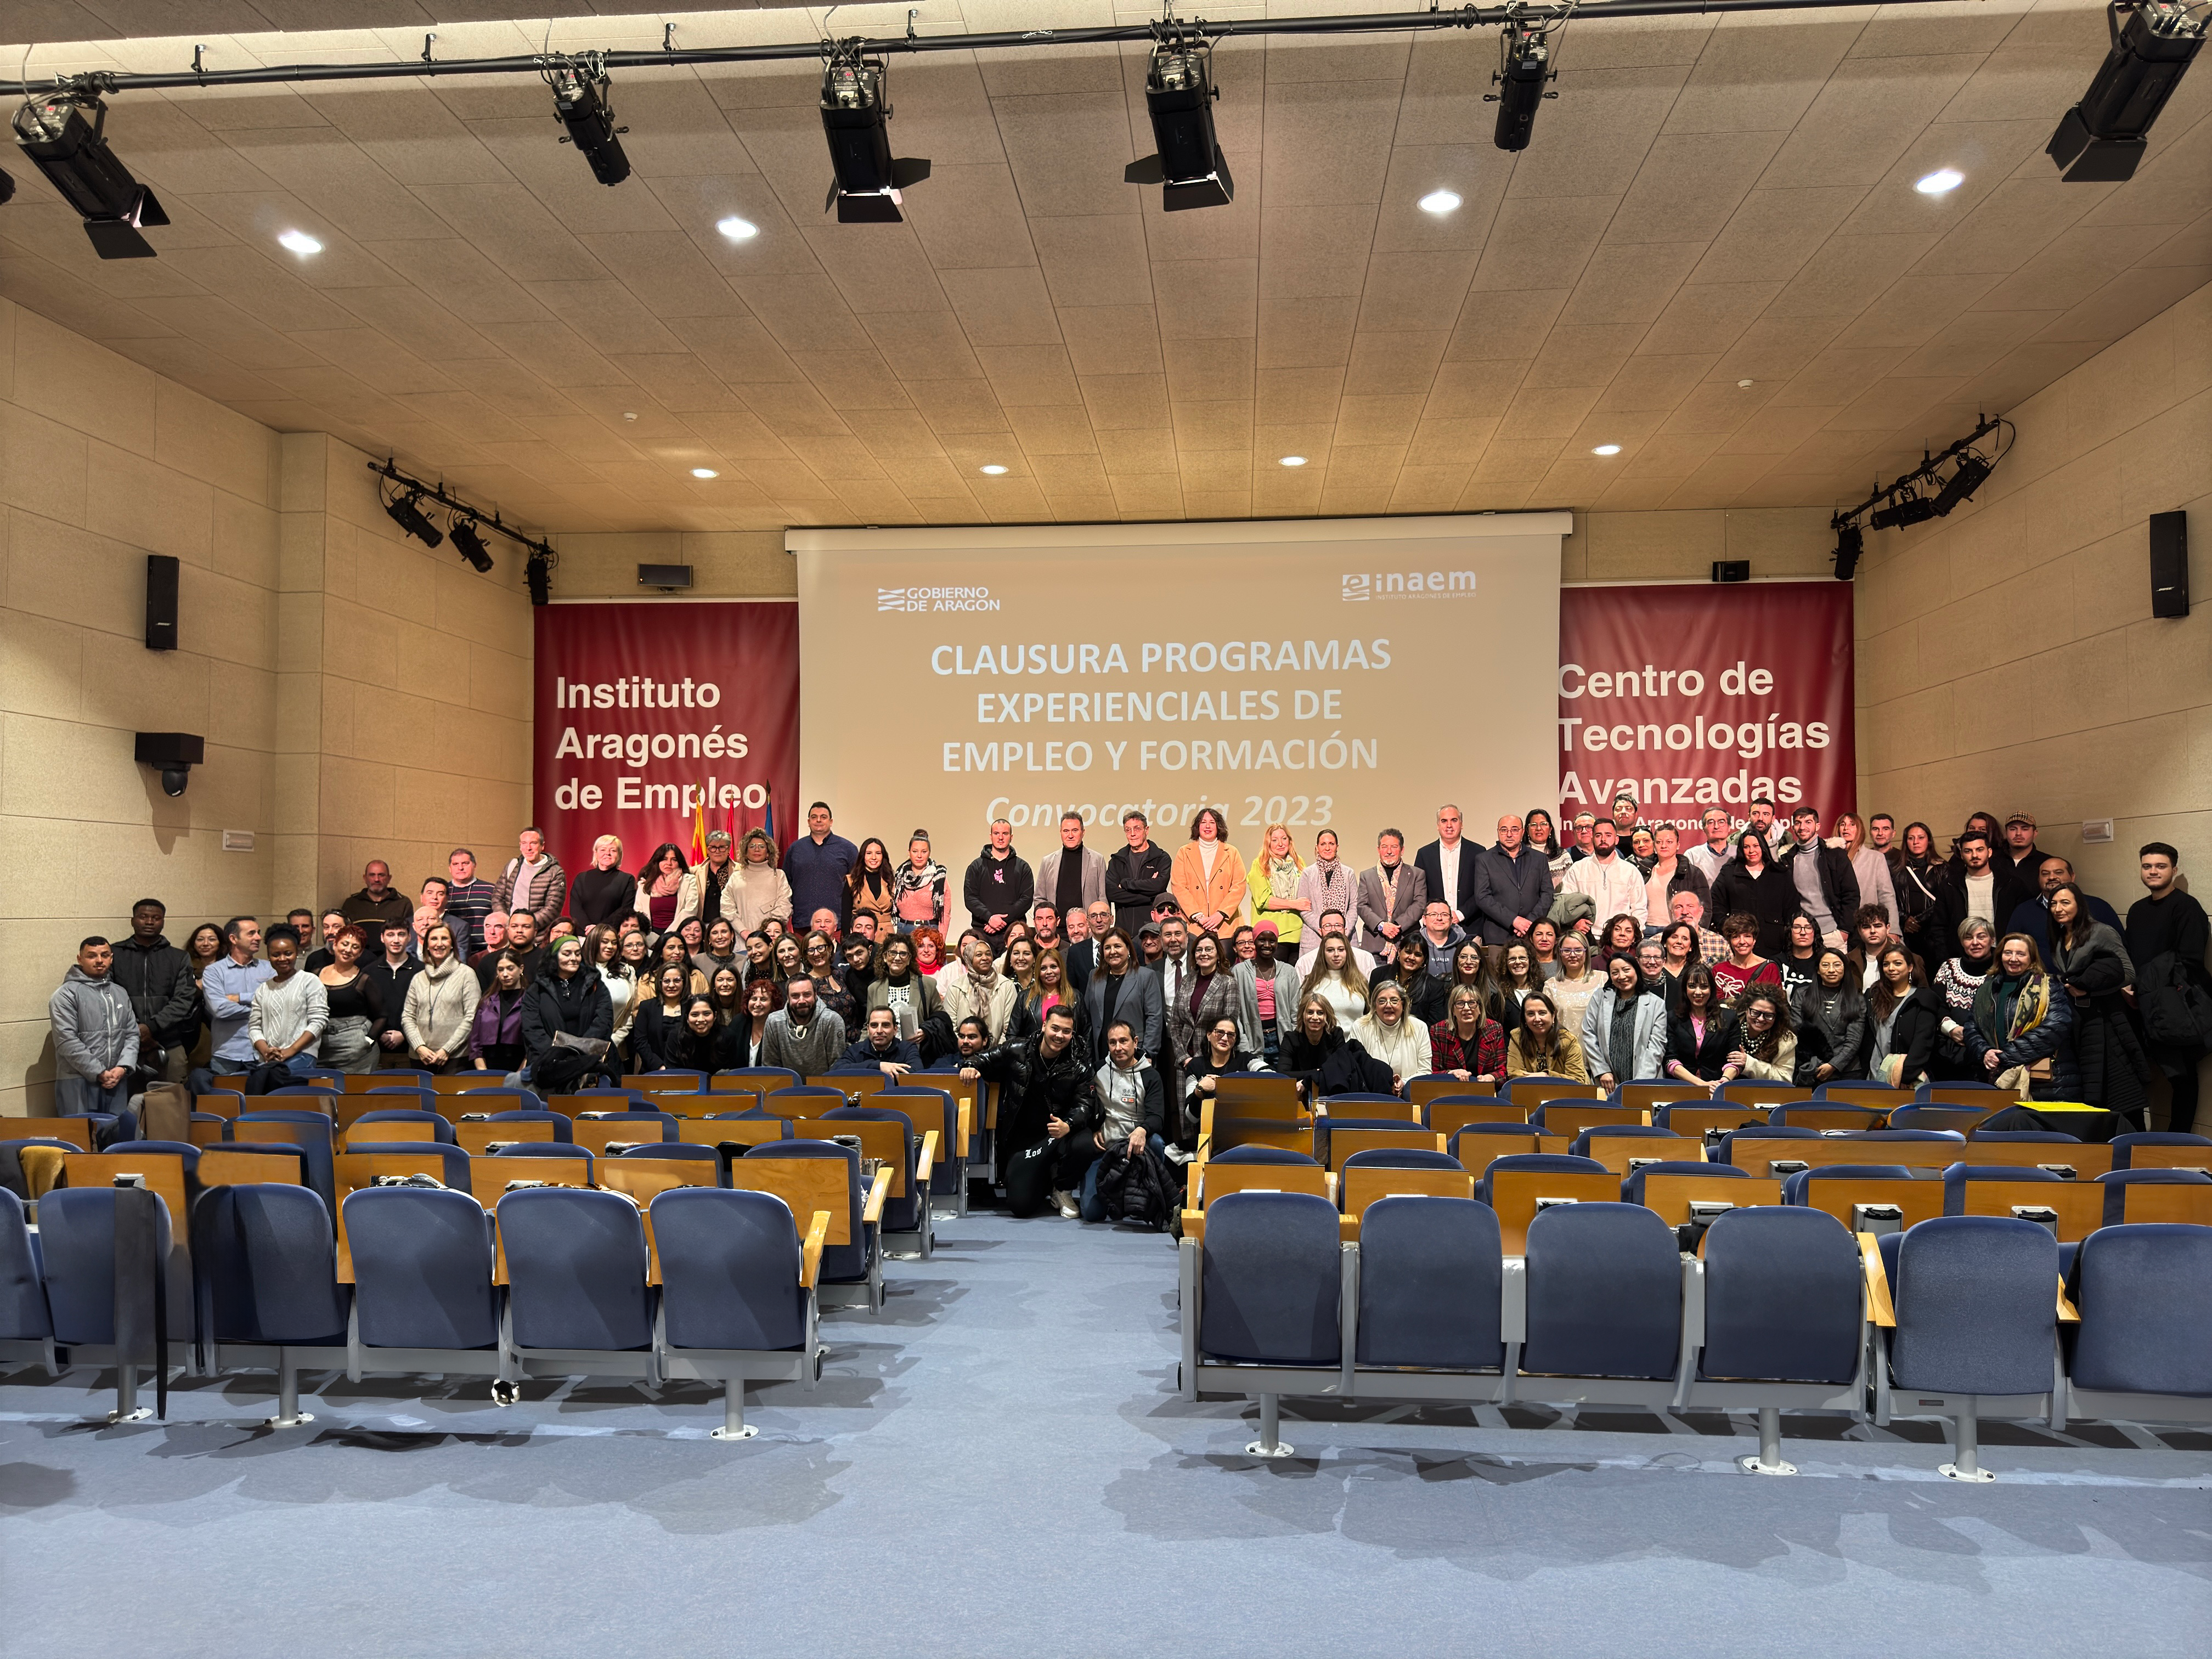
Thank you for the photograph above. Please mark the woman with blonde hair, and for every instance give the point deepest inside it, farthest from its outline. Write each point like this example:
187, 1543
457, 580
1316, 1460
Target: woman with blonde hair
602, 893
1872, 868
1208, 874
763, 889
1571, 993
1273, 882
1336, 980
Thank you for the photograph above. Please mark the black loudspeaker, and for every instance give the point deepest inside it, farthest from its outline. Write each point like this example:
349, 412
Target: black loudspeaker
1731, 570
2169, 564
160, 601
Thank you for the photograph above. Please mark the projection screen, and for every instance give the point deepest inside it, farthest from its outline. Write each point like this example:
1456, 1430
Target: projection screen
1352, 674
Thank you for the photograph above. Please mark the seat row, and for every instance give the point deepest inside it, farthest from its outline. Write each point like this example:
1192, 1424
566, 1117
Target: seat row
1869, 1197
1781, 1308
702, 1283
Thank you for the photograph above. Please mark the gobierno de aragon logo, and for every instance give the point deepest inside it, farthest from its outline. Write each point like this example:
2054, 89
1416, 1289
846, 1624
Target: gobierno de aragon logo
935, 598
1360, 586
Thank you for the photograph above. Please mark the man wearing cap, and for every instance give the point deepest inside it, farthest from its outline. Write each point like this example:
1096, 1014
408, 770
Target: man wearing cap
1150, 944
2019, 864
1266, 997
706, 891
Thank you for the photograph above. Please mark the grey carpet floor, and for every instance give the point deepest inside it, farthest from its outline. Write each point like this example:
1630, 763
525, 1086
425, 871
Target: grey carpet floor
997, 1464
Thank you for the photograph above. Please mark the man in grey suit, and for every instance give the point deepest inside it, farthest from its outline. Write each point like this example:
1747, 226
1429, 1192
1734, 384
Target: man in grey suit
1392, 897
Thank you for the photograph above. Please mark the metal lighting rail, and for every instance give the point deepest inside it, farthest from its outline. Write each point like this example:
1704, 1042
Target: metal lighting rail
1925, 472
459, 508
1461, 17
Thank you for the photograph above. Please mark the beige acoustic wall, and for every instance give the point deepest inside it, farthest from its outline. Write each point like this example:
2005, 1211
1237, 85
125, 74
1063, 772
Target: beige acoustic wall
356, 690
2007, 658
403, 722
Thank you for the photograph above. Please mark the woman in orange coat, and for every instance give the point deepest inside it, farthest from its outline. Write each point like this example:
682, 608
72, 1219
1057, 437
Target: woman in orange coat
1207, 878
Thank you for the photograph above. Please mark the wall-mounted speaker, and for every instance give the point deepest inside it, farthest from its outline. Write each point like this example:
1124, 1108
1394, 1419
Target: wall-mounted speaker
663, 575
2169, 564
160, 601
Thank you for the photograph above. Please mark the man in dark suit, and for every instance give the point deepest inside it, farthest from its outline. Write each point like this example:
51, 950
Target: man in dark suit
1082, 947
2032, 916
1448, 865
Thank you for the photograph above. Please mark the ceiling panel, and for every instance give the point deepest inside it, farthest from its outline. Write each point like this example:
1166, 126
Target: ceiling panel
1708, 202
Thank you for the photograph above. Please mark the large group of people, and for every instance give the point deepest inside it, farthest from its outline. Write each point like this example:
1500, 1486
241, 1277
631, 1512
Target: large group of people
1107, 993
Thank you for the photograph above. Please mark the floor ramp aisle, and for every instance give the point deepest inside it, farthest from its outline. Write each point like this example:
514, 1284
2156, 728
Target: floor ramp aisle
1018, 1408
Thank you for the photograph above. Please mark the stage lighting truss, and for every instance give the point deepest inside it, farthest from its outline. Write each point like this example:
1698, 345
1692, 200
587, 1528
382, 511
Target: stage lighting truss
74, 156
1179, 95
2101, 139
1525, 52
867, 184
1850, 544
581, 103
405, 503
1926, 492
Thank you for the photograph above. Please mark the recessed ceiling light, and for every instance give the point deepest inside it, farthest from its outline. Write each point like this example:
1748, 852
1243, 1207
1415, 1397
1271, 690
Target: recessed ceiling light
993, 471
1607, 449
1743, 383
1941, 182
704, 472
737, 229
299, 242
1439, 201
1294, 460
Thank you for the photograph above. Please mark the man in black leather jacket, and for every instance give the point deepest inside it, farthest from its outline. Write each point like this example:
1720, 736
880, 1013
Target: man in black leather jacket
1046, 1079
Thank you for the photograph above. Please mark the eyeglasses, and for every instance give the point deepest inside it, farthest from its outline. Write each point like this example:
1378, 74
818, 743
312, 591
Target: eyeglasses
1762, 1016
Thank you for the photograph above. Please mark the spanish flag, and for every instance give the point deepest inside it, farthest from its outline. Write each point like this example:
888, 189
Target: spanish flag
699, 832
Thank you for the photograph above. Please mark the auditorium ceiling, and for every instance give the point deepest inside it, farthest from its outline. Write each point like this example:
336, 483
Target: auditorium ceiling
1712, 256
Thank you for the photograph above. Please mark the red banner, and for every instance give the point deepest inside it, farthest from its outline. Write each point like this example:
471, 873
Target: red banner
1693, 696
658, 722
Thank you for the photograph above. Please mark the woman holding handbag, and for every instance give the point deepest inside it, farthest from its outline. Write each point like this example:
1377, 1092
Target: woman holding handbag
2022, 1030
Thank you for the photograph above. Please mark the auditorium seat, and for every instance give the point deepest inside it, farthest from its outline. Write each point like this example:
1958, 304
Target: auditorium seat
265, 1266
441, 1130
1976, 1322
1794, 1186
852, 1257
2159, 1149
736, 1292
1269, 1305
1633, 1187
456, 1162
1602, 1314
933, 1108
309, 1131
1400, 1158
423, 1298
1431, 1285
1780, 1323
1725, 1153
1815, 1115
1957, 1175
2142, 1351
1957, 1120
1256, 1154
76, 1256
1535, 1163
577, 1298
27, 1329
564, 1127
906, 1209
2116, 1185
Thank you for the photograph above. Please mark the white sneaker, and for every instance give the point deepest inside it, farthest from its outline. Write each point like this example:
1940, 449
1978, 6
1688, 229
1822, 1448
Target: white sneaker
1067, 1205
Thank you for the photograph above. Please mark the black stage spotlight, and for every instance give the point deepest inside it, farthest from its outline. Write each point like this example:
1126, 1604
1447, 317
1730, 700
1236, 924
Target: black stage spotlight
1524, 65
538, 576
1179, 94
75, 158
1850, 542
174, 754
407, 513
1905, 507
468, 541
580, 104
2102, 139
1961, 485
856, 114
7, 189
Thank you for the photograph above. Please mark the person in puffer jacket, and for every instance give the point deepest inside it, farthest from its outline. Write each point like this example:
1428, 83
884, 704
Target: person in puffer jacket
95, 1035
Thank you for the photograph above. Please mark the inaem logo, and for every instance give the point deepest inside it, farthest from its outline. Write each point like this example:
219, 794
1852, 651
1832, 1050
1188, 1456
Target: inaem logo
1361, 585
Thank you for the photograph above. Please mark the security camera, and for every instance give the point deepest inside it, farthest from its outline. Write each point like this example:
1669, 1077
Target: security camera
175, 753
